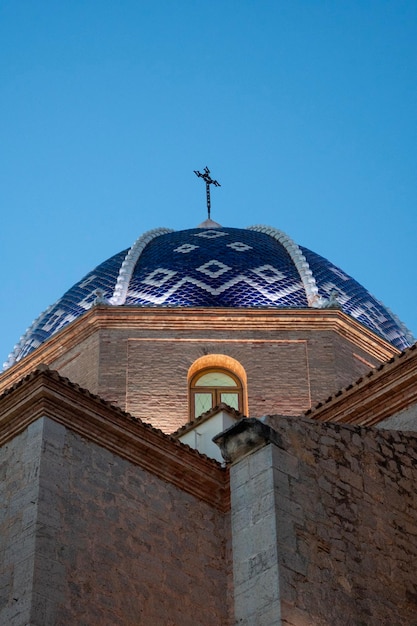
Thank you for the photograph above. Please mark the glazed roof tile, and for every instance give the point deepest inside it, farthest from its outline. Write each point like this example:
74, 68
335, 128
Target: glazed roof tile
258, 267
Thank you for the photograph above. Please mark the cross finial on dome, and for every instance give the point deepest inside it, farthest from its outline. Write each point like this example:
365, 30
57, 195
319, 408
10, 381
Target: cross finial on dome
209, 181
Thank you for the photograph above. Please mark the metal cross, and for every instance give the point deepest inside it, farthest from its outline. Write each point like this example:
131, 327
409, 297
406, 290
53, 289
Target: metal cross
209, 181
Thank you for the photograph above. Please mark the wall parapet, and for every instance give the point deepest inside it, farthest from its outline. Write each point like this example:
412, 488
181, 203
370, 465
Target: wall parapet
44, 393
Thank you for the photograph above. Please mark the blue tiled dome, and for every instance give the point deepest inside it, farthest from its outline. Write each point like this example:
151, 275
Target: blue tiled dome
211, 266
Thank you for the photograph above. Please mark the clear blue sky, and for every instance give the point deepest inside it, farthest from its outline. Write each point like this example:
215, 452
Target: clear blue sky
305, 111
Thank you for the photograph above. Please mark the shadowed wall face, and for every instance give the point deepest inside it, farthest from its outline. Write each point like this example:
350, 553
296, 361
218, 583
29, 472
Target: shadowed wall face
108, 542
20, 461
341, 502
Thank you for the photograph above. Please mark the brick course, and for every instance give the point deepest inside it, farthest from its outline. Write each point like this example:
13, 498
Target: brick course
81, 363
147, 375
139, 358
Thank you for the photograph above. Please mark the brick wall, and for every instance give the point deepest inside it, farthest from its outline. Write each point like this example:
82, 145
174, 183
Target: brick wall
334, 363
117, 545
145, 373
139, 358
81, 363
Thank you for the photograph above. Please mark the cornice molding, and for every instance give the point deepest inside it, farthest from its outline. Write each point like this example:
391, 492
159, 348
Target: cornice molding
191, 320
44, 393
383, 392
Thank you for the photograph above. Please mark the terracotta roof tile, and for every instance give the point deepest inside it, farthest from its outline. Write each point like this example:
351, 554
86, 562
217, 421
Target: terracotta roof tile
382, 368
44, 370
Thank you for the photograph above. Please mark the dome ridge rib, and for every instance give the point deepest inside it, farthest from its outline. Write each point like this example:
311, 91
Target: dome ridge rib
129, 263
407, 332
11, 360
299, 260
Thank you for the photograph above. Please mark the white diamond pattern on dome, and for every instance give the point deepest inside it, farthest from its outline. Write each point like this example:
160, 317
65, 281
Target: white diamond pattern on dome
241, 281
52, 321
211, 234
239, 246
158, 277
57, 321
213, 268
69, 307
235, 280
269, 273
185, 248
129, 263
299, 260
356, 300
339, 273
87, 281
258, 267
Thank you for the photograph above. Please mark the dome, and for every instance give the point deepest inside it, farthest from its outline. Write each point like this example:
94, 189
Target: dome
212, 266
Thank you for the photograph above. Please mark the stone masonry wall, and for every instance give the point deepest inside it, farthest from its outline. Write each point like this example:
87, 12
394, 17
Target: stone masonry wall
116, 545
345, 502
19, 487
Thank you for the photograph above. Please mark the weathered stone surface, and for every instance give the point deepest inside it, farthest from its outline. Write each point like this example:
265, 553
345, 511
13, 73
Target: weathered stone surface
255, 562
20, 462
342, 522
90, 538
351, 537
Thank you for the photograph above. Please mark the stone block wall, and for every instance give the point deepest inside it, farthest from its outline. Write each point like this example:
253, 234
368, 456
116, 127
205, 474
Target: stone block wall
342, 503
113, 544
19, 488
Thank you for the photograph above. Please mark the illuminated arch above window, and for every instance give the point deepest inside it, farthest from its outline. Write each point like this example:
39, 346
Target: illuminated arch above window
213, 379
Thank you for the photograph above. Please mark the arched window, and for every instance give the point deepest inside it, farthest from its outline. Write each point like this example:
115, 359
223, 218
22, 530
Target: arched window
209, 387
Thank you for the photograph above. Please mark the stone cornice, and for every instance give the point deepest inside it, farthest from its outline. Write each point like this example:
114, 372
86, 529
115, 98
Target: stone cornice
246, 436
193, 320
383, 392
46, 394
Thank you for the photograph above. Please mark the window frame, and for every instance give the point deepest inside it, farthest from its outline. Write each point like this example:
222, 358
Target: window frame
215, 391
